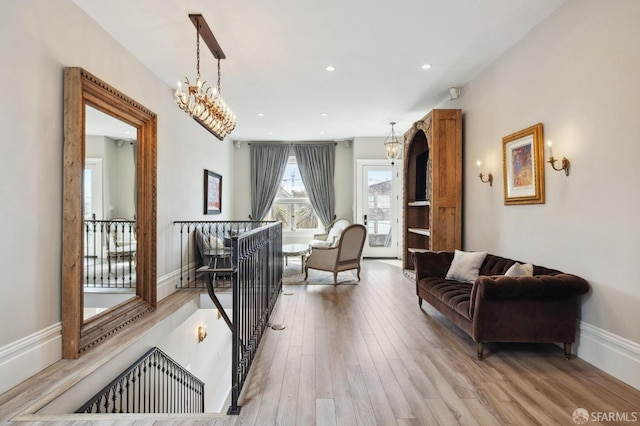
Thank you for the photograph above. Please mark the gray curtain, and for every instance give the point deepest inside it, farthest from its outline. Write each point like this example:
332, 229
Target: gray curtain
317, 166
268, 162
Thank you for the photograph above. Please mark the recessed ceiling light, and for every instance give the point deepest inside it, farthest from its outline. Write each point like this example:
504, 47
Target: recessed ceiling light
426, 66
330, 68
270, 133
322, 133
324, 114
260, 114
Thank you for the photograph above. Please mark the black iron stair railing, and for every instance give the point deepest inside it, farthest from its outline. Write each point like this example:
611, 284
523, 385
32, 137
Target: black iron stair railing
255, 270
153, 384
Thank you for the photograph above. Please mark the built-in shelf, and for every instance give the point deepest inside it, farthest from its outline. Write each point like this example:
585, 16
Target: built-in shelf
417, 250
420, 231
432, 184
419, 203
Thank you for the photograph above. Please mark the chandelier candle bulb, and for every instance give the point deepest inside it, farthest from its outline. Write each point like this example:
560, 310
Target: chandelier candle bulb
565, 164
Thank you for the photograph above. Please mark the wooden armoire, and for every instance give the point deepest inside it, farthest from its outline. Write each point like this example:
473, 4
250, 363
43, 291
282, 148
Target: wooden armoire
433, 184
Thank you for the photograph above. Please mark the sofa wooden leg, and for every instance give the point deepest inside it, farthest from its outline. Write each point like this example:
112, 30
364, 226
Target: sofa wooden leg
420, 301
480, 350
567, 351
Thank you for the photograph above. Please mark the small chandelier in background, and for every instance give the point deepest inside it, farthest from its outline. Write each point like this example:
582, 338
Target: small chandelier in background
200, 101
392, 145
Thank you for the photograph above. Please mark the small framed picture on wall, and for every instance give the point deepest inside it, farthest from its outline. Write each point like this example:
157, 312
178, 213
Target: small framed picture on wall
523, 166
212, 192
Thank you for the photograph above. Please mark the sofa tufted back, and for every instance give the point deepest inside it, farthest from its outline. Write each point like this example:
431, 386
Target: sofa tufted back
497, 265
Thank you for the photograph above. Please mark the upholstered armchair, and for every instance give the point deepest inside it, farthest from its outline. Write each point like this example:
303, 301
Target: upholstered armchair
343, 257
121, 241
331, 238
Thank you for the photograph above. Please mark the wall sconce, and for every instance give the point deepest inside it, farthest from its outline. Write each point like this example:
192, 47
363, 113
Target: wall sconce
565, 164
489, 179
454, 93
202, 333
237, 144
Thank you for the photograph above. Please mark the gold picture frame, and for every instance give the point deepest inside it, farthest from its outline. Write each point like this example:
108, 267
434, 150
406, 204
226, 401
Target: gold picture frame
523, 166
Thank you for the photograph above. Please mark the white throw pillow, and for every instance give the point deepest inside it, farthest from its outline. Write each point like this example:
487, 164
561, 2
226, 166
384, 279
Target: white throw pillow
465, 266
215, 243
520, 270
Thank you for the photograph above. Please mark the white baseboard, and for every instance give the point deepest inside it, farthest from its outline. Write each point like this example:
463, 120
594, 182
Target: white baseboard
23, 358
609, 352
169, 283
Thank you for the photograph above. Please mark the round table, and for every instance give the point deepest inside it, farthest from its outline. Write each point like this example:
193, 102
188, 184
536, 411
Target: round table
295, 250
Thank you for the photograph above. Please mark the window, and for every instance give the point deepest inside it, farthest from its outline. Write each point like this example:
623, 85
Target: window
291, 205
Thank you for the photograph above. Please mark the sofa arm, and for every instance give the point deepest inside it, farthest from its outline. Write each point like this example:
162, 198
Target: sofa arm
433, 264
500, 286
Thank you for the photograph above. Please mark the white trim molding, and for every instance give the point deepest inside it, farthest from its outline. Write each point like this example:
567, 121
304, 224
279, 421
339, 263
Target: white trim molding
27, 356
609, 352
169, 283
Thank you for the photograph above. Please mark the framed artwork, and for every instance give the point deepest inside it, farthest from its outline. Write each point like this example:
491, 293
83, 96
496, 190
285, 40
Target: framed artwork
212, 192
523, 166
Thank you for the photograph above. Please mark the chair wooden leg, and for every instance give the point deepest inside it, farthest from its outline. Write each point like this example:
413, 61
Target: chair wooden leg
567, 351
335, 279
480, 350
420, 301
358, 273
306, 272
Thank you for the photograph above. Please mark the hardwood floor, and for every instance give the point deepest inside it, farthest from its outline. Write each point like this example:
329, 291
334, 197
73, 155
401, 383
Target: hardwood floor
367, 354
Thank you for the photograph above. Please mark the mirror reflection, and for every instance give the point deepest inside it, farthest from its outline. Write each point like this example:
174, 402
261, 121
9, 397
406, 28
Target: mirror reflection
109, 211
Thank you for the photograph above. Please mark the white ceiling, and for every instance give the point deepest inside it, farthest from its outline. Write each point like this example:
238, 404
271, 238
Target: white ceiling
277, 52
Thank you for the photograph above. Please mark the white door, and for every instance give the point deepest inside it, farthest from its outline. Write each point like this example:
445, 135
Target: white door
92, 207
377, 206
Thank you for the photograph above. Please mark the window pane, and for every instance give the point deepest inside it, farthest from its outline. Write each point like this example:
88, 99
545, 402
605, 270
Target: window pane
384, 201
379, 213
281, 212
305, 217
291, 185
291, 205
87, 195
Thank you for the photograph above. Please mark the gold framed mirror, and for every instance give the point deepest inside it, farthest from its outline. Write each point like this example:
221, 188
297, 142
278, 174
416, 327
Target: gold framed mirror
84, 91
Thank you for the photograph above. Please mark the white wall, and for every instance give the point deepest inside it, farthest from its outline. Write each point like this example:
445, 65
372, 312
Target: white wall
577, 73
39, 38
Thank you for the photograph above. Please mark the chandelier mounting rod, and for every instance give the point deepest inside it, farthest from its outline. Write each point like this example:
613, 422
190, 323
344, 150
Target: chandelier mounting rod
207, 35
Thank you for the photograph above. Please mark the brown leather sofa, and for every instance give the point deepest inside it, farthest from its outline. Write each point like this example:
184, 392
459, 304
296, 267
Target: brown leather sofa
498, 308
